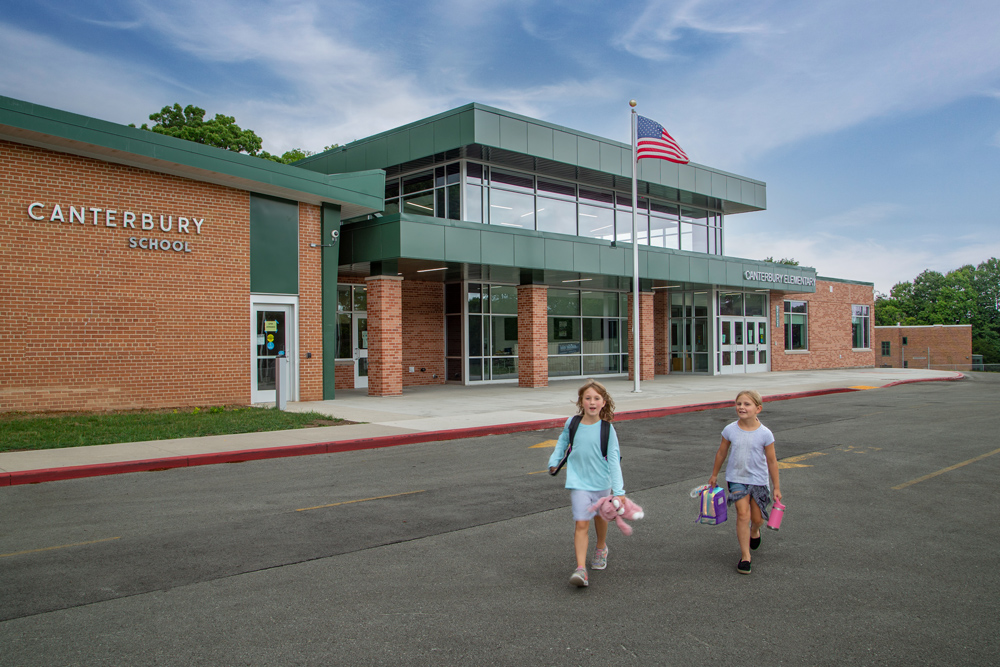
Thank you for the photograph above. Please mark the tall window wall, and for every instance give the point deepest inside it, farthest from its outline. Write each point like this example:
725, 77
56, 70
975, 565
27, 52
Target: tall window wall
522, 200
689, 322
492, 327
587, 331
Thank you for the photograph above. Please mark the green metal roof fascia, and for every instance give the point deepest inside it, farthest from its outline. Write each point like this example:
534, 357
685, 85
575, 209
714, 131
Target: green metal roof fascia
844, 280
362, 191
660, 270
743, 203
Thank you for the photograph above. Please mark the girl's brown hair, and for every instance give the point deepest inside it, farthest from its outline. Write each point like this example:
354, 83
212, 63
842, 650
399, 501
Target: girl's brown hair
608, 411
753, 396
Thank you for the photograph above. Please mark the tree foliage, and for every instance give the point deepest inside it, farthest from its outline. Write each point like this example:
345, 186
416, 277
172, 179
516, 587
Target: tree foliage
966, 295
783, 260
222, 132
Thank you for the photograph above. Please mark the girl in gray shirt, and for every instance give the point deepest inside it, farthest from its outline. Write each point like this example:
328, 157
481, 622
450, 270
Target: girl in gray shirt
750, 447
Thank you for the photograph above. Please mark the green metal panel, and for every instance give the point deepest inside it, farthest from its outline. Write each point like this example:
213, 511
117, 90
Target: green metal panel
356, 161
686, 176
330, 263
468, 127
586, 257
540, 141
612, 260
487, 128
447, 133
680, 268
589, 153
421, 141
649, 170
513, 134
699, 270
564, 147
497, 247
658, 265
376, 153
366, 244
611, 160
558, 255
274, 245
761, 196
716, 271
529, 252
670, 173
719, 184
398, 148
421, 240
734, 189
734, 273
702, 181
462, 245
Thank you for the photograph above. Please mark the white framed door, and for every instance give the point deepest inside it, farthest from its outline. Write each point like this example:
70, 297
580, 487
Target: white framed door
359, 341
756, 345
273, 333
731, 345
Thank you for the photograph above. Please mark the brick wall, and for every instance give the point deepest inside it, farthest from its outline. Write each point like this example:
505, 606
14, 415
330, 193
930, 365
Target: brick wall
829, 328
94, 324
946, 345
385, 336
647, 338
532, 336
310, 304
423, 333
661, 333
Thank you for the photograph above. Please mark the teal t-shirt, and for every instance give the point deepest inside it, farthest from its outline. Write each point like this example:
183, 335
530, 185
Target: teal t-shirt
586, 469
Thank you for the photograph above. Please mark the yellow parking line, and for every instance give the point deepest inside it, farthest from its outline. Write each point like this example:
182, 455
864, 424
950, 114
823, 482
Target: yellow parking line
944, 470
361, 500
61, 546
546, 443
793, 461
863, 387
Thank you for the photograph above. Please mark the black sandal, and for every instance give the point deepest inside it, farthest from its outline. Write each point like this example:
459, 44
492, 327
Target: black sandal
754, 543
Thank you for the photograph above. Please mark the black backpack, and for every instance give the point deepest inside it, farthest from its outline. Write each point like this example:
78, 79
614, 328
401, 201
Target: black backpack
574, 423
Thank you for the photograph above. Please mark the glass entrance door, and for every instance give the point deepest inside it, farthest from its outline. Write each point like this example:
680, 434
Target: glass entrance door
731, 345
360, 342
273, 338
756, 345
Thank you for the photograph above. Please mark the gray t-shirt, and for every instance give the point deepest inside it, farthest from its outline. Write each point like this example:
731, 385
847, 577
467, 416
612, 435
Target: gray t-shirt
747, 462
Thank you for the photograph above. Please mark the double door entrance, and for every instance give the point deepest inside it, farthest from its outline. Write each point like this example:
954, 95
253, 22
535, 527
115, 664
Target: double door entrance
743, 344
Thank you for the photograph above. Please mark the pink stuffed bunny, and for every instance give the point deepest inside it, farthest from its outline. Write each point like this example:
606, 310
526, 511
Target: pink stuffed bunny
610, 509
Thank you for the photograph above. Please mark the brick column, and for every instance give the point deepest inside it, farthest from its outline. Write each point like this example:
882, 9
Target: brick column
532, 336
385, 335
661, 326
647, 338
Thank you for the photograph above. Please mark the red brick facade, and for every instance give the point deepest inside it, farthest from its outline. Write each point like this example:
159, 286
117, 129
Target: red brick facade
96, 324
310, 305
532, 336
661, 332
423, 333
647, 337
829, 328
385, 335
933, 346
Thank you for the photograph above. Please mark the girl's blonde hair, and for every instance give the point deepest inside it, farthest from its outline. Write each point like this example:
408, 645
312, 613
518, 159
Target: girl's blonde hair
752, 395
608, 411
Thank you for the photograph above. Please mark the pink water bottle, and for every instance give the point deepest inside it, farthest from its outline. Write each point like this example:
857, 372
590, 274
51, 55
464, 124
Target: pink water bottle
778, 511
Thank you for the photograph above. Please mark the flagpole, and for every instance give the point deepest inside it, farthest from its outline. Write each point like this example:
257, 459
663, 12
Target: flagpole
636, 357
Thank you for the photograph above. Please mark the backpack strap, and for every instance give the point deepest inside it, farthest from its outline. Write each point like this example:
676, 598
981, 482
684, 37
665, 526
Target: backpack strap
574, 423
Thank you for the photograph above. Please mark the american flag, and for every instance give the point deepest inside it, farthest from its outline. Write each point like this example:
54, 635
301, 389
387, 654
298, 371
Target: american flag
654, 141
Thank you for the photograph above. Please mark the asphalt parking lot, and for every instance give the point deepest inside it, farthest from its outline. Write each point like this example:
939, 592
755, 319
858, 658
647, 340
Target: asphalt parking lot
459, 552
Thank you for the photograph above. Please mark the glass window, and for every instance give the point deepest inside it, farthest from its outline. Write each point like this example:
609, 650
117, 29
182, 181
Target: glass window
360, 297
512, 209
474, 173
344, 336
860, 320
600, 304
418, 182
343, 297
597, 222
731, 304
663, 232
564, 189
886, 349
421, 204
796, 325
556, 215
473, 203
503, 300
563, 302
755, 304
504, 336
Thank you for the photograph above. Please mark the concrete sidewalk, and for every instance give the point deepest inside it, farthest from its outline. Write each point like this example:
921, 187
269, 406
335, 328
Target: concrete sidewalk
425, 414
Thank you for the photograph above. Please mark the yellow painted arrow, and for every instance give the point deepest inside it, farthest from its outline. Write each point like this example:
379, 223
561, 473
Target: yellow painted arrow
793, 461
547, 443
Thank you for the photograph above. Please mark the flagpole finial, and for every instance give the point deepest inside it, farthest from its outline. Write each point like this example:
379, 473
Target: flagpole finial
632, 103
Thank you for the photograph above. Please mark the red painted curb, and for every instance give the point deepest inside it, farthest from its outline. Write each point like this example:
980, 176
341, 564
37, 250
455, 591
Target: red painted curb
240, 456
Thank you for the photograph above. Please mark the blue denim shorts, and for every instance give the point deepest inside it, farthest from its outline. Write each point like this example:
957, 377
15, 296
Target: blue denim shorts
760, 494
582, 500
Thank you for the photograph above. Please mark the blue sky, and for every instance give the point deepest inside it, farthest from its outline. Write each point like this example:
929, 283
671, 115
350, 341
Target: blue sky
876, 125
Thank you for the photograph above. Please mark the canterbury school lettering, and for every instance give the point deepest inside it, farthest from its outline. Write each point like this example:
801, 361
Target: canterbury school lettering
787, 279
104, 217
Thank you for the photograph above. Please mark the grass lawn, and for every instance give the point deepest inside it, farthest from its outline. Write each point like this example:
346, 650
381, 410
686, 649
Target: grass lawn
21, 431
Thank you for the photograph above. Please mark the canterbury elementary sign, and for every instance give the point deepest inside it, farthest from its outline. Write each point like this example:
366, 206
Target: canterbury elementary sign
159, 225
783, 278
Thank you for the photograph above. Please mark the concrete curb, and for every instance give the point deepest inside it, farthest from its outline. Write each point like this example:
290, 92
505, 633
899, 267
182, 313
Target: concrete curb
240, 456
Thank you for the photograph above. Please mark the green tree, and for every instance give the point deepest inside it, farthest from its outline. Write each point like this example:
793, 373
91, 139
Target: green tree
189, 123
783, 260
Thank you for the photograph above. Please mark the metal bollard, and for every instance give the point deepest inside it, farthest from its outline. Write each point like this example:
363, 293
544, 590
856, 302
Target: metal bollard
281, 383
